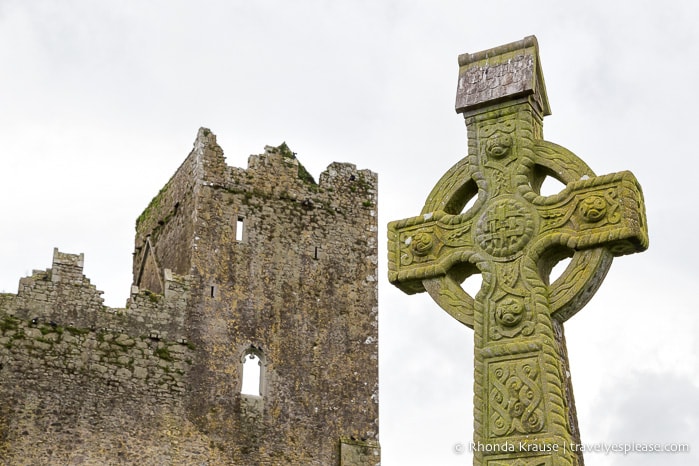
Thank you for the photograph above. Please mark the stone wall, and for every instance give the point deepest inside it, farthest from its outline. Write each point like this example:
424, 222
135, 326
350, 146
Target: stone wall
81, 383
299, 287
228, 263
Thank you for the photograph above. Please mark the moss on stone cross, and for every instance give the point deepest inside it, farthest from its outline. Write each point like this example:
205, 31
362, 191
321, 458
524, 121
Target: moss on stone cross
513, 236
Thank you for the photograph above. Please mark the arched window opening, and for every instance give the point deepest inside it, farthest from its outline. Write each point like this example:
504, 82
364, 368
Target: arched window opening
252, 374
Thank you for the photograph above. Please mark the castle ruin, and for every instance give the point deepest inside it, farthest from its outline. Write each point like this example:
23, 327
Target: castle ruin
257, 274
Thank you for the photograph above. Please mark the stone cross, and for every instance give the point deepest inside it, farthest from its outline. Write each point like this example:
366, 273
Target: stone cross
486, 215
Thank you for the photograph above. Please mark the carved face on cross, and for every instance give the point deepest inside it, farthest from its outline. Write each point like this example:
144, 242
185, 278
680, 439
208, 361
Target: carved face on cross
486, 215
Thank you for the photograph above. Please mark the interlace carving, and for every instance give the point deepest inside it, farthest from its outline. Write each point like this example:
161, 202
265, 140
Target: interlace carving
515, 398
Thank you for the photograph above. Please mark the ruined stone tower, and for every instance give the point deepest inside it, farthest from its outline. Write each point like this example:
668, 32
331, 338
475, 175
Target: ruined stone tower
257, 275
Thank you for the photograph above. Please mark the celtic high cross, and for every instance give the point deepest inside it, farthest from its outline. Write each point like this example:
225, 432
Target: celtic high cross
486, 215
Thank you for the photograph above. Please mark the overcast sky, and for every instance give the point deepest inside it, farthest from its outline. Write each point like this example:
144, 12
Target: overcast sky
100, 102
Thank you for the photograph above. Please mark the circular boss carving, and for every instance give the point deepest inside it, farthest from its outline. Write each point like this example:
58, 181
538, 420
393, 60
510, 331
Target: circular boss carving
504, 228
593, 208
422, 243
510, 312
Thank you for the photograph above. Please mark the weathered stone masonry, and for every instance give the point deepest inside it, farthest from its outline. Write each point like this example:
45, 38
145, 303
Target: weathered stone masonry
228, 263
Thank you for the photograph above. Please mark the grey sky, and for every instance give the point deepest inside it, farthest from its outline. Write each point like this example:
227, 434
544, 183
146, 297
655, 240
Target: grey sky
100, 103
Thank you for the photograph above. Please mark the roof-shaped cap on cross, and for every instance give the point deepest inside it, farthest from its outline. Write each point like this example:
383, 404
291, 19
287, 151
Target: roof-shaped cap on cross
507, 72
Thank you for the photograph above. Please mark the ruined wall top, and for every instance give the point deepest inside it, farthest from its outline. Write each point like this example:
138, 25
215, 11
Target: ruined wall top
67, 259
277, 168
171, 221
63, 296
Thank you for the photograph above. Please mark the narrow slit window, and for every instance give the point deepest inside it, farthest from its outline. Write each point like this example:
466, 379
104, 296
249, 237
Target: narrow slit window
251, 375
213, 291
239, 225
315, 253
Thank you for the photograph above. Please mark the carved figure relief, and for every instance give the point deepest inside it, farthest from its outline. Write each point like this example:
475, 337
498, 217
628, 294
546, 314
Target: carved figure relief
497, 137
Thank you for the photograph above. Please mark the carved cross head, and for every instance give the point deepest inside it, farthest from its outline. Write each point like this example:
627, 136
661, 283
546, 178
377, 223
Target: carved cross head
486, 214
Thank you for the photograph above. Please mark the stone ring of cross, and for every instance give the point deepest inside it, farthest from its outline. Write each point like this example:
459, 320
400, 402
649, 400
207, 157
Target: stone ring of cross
458, 187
